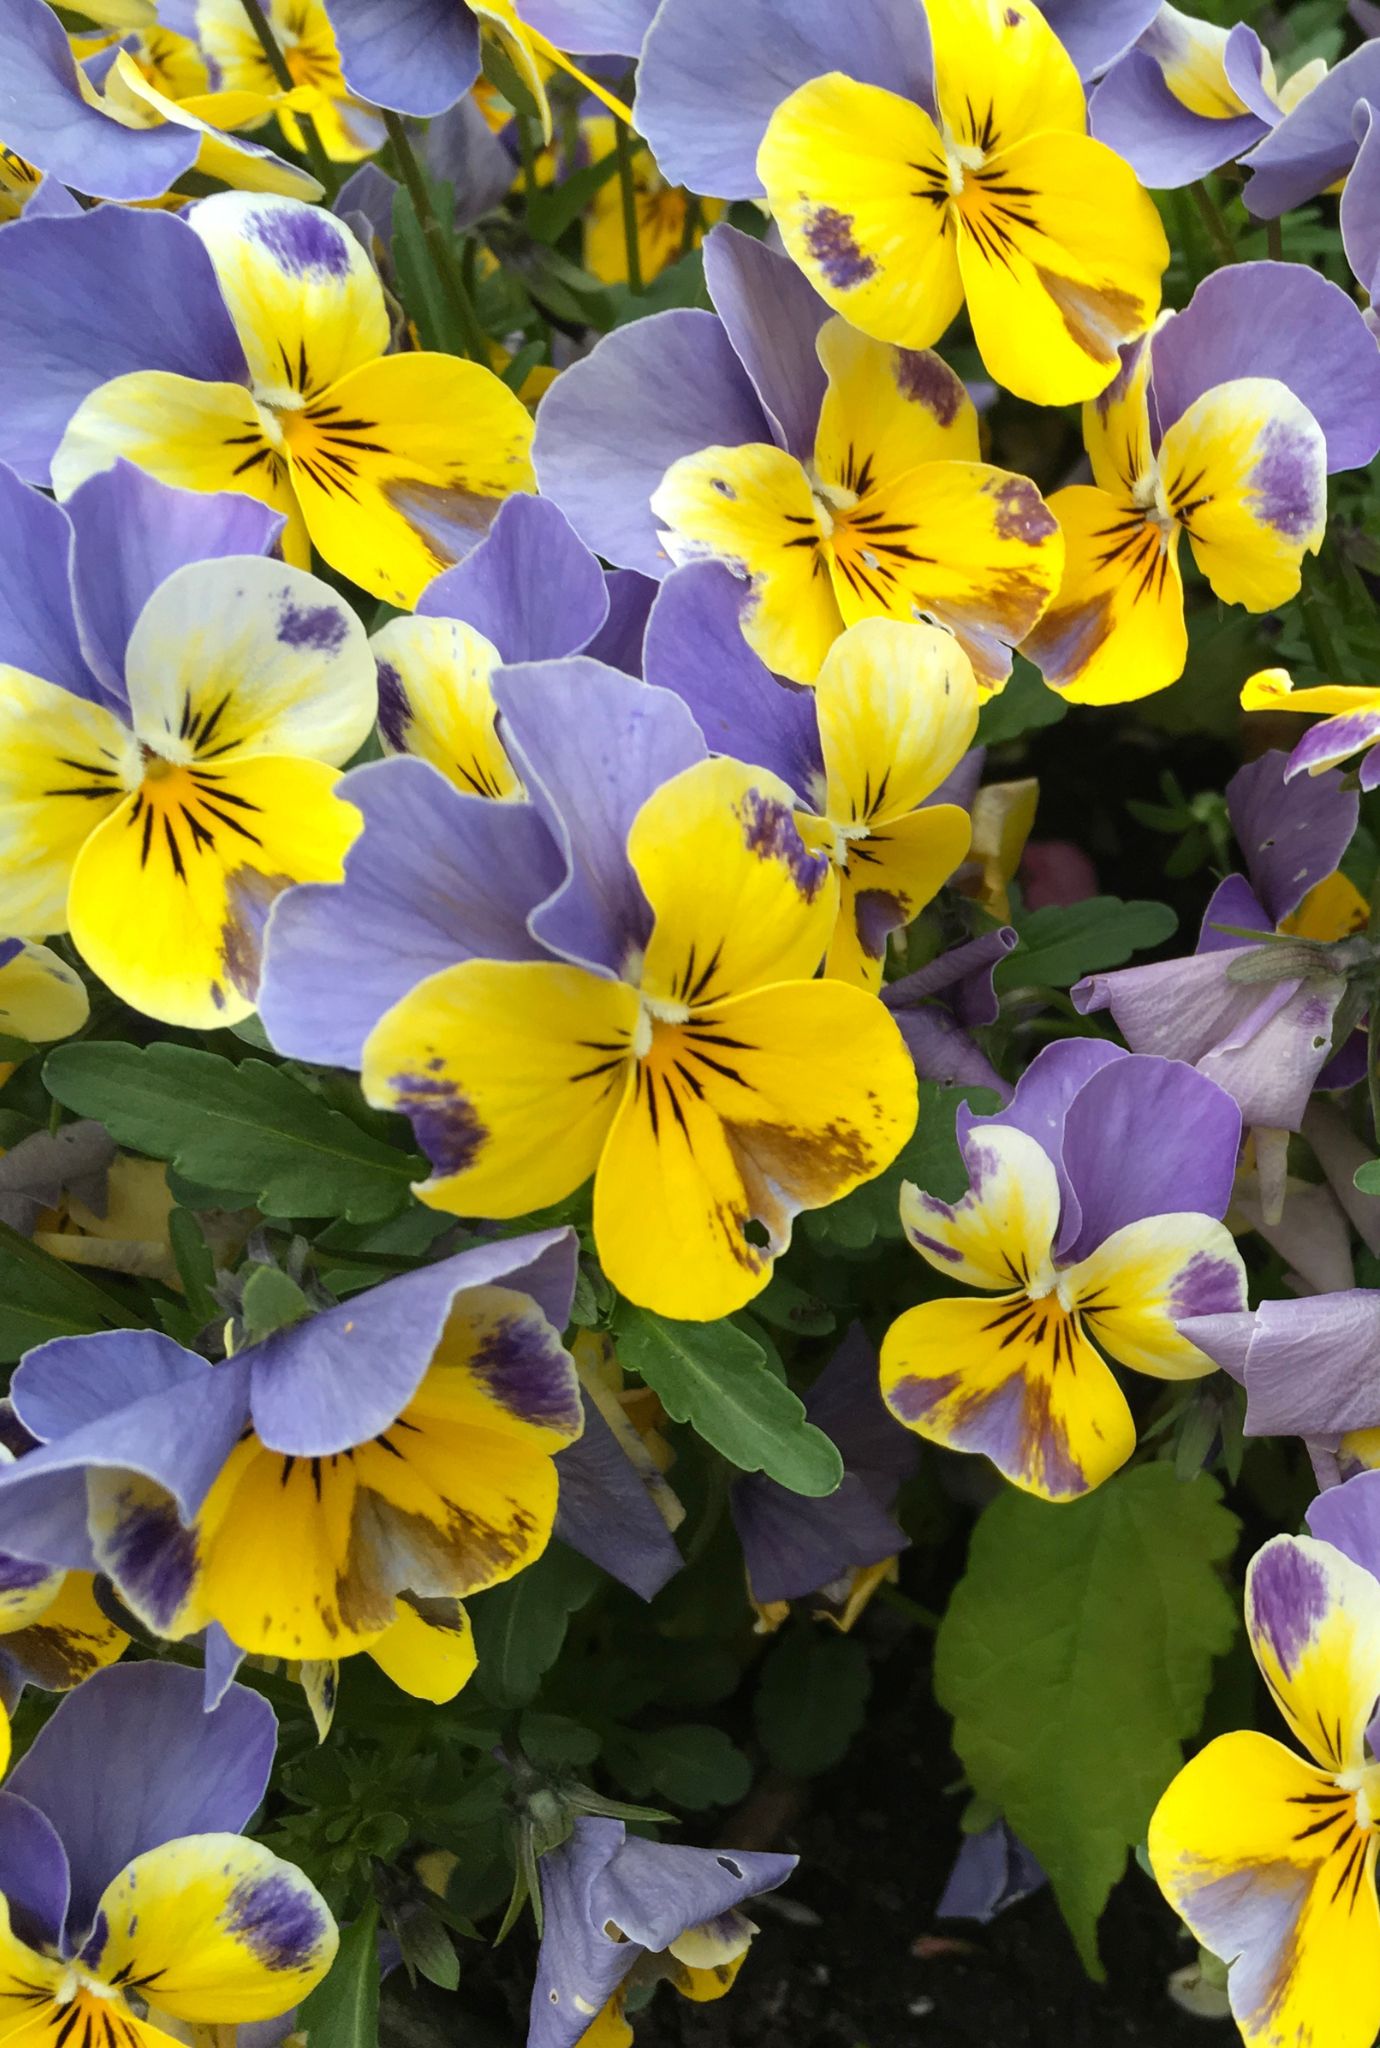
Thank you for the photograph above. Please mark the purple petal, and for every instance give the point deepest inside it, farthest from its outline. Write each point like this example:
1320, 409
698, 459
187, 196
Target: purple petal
88, 299
592, 26
1233, 908
1310, 1235
657, 1891
1167, 145
462, 151
1292, 833
772, 315
72, 1381
605, 1512
619, 641
37, 630
531, 586
1313, 1368
993, 1870
1333, 740
943, 1051
963, 976
1315, 145
846, 1403
1041, 1104
35, 1882
222, 1660
416, 56
1348, 1517
592, 746
579, 1966
793, 1546
435, 878
610, 427
130, 1760
51, 200
695, 647
1360, 207
1244, 60
131, 531
1279, 320
1096, 32
365, 204
714, 71
1226, 1338
1339, 1152
45, 118
1147, 1137
339, 1378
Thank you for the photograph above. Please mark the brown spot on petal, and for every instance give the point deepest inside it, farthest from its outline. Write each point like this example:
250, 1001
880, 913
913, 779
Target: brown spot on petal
1021, 513
249, 896
829, 238
927, 380
1098, 317
1065, 641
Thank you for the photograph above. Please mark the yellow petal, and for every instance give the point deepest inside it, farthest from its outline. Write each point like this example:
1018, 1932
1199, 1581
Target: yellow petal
1000, 73
1116, 629
402, 465
778, 1101
1001, 1234
752, 508
512, 1073
737, 900
64, 766
1116, 425
898, 709
69, 1638
1061, 254
1245, 472
1272, 689
170, 895
1255, 1850
858, 183
247, 169
886, 410
1333, 909
429, 1651
1313, 1618
41, 998
435, 701
201, 437
892, 873
1015, 1380
1140, 1280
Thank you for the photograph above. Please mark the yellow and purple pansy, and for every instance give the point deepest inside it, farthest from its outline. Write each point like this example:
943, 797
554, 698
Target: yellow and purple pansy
1085, 1254
1350, 721
302, 30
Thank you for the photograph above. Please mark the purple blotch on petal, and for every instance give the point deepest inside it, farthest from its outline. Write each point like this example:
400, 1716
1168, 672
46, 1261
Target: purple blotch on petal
395, 706
301, 239
524, 1367
829, 234
18, 1575
927, 380
1021, 513
1288, 480
770, 831
1206, 1287
152, 1557
278, 1922
447, 1127
319, 626
877, 913
1289, 1599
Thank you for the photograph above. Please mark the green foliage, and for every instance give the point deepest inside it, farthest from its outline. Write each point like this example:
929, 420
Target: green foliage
252, 1133
1027, 704
343, 2011
41, 1297
811, 1699
519, 1628
1060, 944
693, 1765
718, 1379
1075, 1658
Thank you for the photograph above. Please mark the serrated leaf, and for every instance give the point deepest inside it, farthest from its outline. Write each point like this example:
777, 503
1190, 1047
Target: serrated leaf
930, 1158
717, 1378
519, 1628
1075, 1659
1065, 941
343, 2011
691, 1765
241, 1128
812, 1699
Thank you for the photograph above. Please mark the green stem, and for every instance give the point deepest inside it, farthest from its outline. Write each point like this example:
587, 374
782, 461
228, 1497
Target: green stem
448, 271
277, 63
1373, 1065
527, 151
916, 1615
694, 221
1213, 221
629, 195
1274, 240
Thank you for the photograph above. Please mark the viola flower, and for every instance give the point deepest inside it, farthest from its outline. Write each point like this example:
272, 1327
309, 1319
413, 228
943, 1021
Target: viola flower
1191, 97
130, 1906
898, 217
41, 999
1267, 1041
939, 1006
157, 827
665, 231
710, 1085
839, 477
705, 119
302, 30
1350, 725
1324, 137
125, 139
393, 466
1268, 1857
621, 1914
1252, 416
1093, 1215
52, 1634
892, 714
1309, 1367
333, 1489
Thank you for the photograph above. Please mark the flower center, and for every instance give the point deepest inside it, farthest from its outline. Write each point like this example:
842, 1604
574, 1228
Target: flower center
654, 1010
961, 158
1365, 1784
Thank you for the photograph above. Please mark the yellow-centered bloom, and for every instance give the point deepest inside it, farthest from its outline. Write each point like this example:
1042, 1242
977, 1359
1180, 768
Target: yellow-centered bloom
1003, 201
347, 127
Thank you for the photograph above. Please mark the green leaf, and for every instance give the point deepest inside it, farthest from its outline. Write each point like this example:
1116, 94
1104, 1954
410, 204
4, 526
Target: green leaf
196, 1265
1368, 1177
555, 1742
248, 1128
41, 1297
1025, 705
717, 1379
271, 1301
343, 2011
691, 1765
519, 1628
812, 1699
930, 1158
1067, 940
1076, 1657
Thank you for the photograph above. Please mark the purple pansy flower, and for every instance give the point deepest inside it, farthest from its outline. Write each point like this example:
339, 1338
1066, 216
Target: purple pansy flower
127, 1886
939, 1007
1265, 1041
337, 1486
620, 1912
1320, 141
713, 72
792, 1546
1311, 1368
1092, 1214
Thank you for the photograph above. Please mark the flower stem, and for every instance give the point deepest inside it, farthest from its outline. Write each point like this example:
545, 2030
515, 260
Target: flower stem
277, 63
629, 194
1213, 221
1274, 240
443, 257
